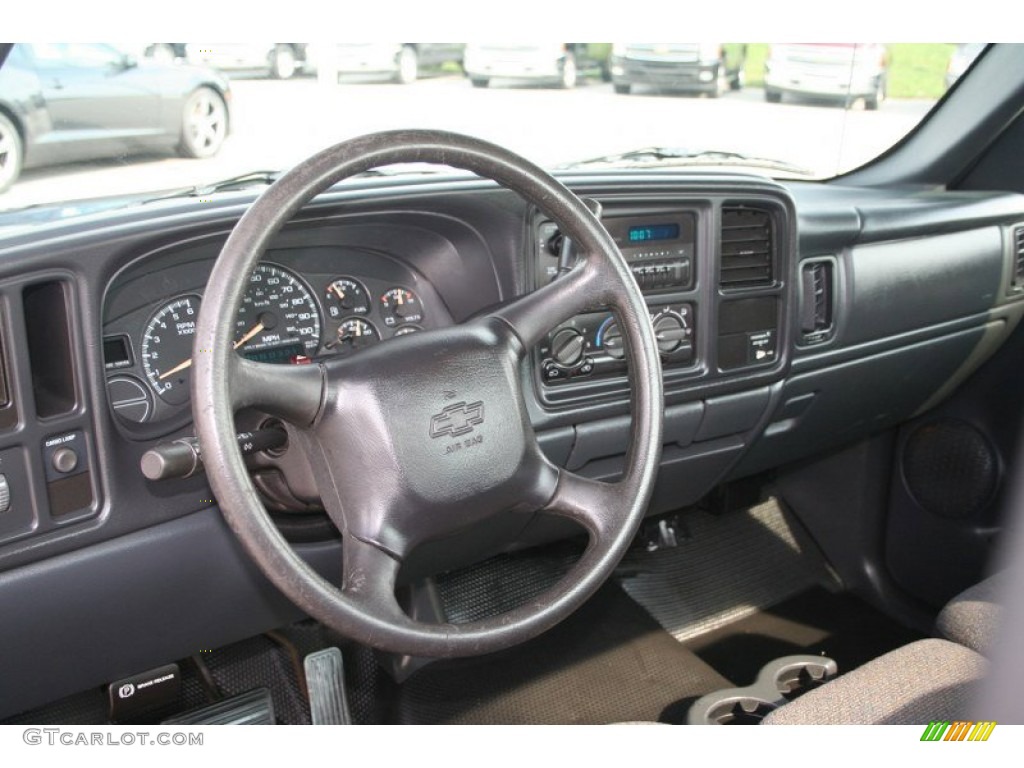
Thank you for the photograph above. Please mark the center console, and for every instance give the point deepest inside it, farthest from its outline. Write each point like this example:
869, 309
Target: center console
714, 273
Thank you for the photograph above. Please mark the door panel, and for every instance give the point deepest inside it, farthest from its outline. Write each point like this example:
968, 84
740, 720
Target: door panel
99, 102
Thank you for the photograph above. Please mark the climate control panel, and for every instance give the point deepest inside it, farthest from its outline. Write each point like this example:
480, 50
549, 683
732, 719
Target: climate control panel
591, 345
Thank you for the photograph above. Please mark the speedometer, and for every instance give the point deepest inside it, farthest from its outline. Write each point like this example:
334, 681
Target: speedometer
279, 319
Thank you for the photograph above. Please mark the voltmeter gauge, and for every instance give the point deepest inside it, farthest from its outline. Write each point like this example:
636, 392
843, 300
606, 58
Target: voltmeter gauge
399, 306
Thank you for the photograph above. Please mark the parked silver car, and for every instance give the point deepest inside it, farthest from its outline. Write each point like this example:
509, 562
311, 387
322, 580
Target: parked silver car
402, 62
842, 72
278, 60
561, 64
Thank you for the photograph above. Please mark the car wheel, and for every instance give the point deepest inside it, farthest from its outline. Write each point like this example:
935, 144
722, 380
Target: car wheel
569, 74
873, 101
738, 80
480, 82
12, 153
772, 96
623, 88
162, 52
408, 66
721, 84
204, 124
283, 64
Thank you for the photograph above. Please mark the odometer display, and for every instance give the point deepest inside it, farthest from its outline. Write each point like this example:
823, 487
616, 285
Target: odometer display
278, 310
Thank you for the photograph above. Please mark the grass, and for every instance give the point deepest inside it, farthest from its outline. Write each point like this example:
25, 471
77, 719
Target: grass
916, 71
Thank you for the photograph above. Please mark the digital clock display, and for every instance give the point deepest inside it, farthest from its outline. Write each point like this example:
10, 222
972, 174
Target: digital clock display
652, 232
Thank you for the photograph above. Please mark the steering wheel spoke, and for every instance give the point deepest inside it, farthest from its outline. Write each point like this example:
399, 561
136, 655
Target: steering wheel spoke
585, 287
368, 578
598, 506
292, 392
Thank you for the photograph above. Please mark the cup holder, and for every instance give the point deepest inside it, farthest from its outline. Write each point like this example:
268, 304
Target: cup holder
778, 682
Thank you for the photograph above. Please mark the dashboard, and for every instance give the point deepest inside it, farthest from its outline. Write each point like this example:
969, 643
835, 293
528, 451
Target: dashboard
791, 320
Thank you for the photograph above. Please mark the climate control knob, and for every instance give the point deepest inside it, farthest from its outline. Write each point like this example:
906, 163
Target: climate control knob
671, 332
610, 340
567, 347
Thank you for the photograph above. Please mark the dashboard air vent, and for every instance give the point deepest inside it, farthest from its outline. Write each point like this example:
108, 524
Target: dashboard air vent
817, 306
1018, 257
746, 248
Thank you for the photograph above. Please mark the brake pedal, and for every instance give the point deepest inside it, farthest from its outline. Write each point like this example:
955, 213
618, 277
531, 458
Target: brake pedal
325, 681
252, 708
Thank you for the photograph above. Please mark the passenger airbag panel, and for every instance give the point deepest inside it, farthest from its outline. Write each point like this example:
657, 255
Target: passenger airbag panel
911, 284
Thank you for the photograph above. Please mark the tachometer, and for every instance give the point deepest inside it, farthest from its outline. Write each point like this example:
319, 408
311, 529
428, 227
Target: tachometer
167, 349
279, 320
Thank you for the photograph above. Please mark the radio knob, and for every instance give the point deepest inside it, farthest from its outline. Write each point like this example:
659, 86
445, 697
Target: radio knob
671, 332
567, 347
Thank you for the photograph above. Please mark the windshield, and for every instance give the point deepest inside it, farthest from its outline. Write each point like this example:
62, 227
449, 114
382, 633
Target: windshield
84, 121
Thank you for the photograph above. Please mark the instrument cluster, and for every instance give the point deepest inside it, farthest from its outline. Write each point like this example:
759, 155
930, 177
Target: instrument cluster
286, 317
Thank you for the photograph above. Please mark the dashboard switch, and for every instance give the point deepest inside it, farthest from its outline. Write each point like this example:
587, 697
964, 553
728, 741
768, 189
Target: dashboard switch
65, 455
5, 494
65, 460
552, 371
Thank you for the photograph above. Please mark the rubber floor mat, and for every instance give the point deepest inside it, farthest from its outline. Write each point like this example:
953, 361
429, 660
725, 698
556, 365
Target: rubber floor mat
608, 662
817, 622
725, 567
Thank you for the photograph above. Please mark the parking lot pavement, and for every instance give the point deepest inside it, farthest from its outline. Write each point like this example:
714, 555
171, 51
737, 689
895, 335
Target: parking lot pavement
278, 123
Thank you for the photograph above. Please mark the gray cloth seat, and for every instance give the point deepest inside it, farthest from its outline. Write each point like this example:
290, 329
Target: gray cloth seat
927, 680
972, 617
924, 681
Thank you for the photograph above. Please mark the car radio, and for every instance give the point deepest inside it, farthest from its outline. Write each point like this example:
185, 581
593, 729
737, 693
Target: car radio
660, 250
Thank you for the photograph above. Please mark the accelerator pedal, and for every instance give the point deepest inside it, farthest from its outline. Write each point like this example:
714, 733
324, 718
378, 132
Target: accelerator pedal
325, 680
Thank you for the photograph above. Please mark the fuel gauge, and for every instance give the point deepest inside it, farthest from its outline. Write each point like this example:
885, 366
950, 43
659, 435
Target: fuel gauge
346, 296
400, 306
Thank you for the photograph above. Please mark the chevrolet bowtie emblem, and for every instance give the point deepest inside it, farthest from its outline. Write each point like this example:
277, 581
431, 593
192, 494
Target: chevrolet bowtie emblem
457, 419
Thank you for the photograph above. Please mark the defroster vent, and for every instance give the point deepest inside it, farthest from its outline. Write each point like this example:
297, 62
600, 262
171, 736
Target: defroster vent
1018, 257
747, 252
817, 296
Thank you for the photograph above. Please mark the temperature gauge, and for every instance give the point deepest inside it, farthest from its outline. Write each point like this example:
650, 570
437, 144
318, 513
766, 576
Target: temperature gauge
399, 306
346, 296
355, 334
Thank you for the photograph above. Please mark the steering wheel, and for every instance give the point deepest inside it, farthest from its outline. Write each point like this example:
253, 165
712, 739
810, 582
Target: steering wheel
377, 426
